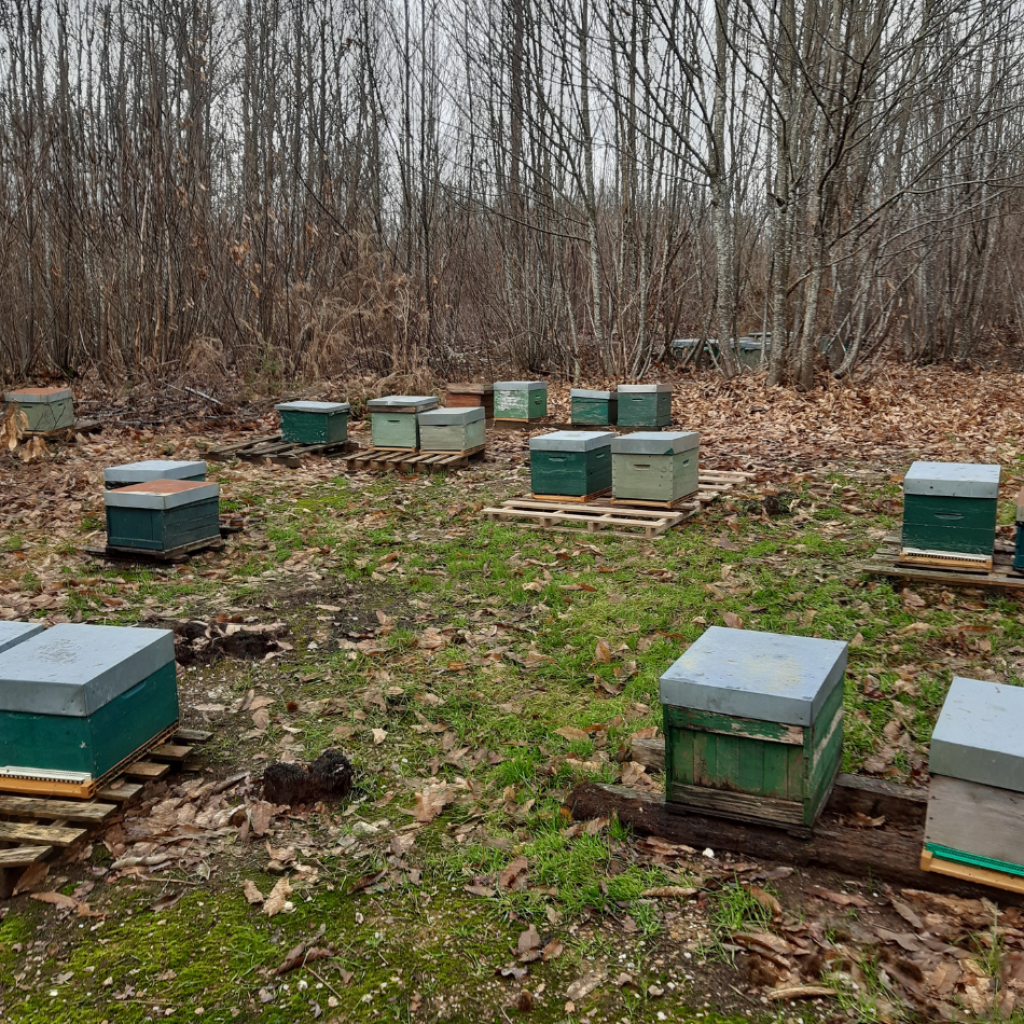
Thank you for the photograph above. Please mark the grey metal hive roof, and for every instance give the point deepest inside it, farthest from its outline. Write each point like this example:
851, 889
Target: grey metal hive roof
978, 736
161, 495
402, 403
765, 676
38, 396
451, 416
520, 385
324, 407
73, 670
953, 479
644, 389
607, 396
12, 633
656, 442
571, 441
153, 469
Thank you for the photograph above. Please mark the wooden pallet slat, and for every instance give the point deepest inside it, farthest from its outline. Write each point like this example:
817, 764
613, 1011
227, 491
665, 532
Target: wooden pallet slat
23, 856
172, 753
92, 813
886, 562
412, 460
274, 449
44, 835
178, 554
149, 771
120, 791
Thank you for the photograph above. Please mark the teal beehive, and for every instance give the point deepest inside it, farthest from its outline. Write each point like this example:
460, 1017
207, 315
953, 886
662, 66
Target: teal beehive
520, 400
645, 405
394, 420
162, 515
571, 463
314, 422
594, 408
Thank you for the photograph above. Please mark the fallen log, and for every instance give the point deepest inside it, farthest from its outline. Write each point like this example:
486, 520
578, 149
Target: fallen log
883, 853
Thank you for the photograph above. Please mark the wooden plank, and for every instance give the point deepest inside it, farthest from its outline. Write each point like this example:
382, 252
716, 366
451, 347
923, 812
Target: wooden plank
735, 806
34, 807
120, 792
147, 556
571, 499
23, 856
171, 752
28, 832
608, 509
687, 501
965, 873
223, 453
996, 578
146, 770
192, 736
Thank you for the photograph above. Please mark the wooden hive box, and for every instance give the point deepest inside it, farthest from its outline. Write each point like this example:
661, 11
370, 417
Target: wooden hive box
12, 633
44, 408
571, 463
645, 405
468, 396
949, 509
314, 422
451, 430
153, 469
520, 399
655, 465
394, 421
598, 408
976, 792
76, 701
754, 726
162, 515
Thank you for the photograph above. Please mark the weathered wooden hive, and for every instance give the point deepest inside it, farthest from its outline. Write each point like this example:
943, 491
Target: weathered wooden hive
394, 421
976, 792
661, 466
162, 515
754, 725
949, 514
77, 701
598, 408
645, 405
451, 430
153, 469
12, 633
571, 463
520, 399
468, 396
44, 408
314, 422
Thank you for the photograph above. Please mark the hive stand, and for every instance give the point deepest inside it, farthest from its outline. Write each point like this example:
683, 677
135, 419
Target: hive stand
402, 460
886, 561
275, 451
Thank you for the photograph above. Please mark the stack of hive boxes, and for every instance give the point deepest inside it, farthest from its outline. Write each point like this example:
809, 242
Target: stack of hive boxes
314, 422
452, 430
470, 396
655, 467
394, 421
571, 464
44, 409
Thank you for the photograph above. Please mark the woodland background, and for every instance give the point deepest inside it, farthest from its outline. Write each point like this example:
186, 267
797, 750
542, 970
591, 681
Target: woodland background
310, 187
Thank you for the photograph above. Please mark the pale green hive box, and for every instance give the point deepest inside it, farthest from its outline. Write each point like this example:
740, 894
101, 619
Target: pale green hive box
659, 466
520, 399
452, 430
153, 469
394, 421
645, 405
44, 408
314, 422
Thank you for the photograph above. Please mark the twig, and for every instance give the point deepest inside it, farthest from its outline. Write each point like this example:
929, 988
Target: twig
323, 981
193, 391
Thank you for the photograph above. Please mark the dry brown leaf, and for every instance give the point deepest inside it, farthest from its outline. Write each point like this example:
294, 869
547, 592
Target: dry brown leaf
275, 902
431, 801
252, 894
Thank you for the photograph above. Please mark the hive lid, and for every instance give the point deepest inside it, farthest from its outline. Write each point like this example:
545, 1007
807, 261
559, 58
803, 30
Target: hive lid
38, 396
978, 737
520, 385
656, 442
153, 469
607, 396
402, 403
644, 389
451, 417
765, 676
73, 670
162, 495
322, 407
952, 479
12, 633
571, 441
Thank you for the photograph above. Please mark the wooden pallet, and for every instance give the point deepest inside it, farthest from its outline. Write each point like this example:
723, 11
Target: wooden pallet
571, 499
886, 562
275, 451
171, 555
410, 460
33, 826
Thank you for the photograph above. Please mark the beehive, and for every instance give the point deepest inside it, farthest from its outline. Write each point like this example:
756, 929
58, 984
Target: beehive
451, 430
76, 701
976, 792
754, 725
645, 405
599, 408
1018, 554
520, 400
44, 408
12, 633
469, 396
949, 509
162, 515
394, 420
314, 422
153, 469
655, 466
571, 463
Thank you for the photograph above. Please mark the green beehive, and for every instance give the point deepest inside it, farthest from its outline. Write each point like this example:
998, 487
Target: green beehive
162, 515
153, 469
571, 463
394, 421
949, 513
754, 725
598, 408
77, 701
520, 400
645, 405
44, 408
655, 466
314, 422
451, 430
